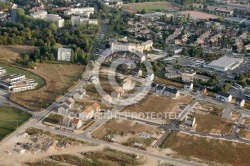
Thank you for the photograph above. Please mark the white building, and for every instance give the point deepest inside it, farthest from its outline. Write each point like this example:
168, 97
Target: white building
42, 14
77, 20
222, 96
240, 102
132, 47
2, 70
80, 11
225, 63
76, 123
87, 113
190, 121
16, 82
78, 95
189, 86
64, 54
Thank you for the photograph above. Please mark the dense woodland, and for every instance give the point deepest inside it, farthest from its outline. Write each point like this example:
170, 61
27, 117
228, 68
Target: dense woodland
48, 38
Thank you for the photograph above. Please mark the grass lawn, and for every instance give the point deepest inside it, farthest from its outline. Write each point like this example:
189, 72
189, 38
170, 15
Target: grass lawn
223, 152
148, 6
30, 75
11, 113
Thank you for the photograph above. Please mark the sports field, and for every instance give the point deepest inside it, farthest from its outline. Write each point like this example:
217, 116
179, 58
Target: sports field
199, 15
10, 118
149, 6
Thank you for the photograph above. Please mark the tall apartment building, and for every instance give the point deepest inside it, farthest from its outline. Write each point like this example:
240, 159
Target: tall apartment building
42, 14
64, 54
77, 20
80, 11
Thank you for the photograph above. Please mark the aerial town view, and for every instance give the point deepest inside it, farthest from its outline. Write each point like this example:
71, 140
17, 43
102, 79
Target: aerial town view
124, 82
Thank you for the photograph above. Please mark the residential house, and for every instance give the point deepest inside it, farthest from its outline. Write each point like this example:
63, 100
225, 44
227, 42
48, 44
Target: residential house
240, 102
94, 80
137, 72
76, 123
160, 89
127, 85
87, 113
96, 107
150, 76
63, 109
153, 87
66, 122
106, 99
176, 50
171, 92
117, 93
190, 121
78, 95
222, 96
70, 102
189, 86
202, 90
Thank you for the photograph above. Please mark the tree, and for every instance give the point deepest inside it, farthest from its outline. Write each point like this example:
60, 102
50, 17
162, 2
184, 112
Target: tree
53, 27
188, 17
143, 11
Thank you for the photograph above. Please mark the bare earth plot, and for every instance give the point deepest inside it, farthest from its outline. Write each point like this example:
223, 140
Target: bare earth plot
149, 6
208, 119
244, 131
103, 157
206, 149
126, 132
10, 53
154, 103
58, 77
199, 15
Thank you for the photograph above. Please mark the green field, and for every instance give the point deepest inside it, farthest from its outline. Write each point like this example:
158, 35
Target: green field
148, 6
30, 75
11, 113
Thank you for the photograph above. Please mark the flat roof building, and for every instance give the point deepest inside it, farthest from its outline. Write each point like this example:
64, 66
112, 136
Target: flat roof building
77, 20
225, 63
42, 14
80, 11
64, 54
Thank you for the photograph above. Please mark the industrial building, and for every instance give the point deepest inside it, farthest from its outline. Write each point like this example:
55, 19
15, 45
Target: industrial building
224, 63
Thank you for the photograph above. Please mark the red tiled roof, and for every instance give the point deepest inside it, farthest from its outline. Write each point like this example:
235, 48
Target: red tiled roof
75, 120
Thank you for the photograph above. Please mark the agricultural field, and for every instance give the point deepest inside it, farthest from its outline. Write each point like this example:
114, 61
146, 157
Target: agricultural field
197, 148
127, 132
161, 104
208, 119
199, 15
150, 6
59, 78
16, 116
10, 53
